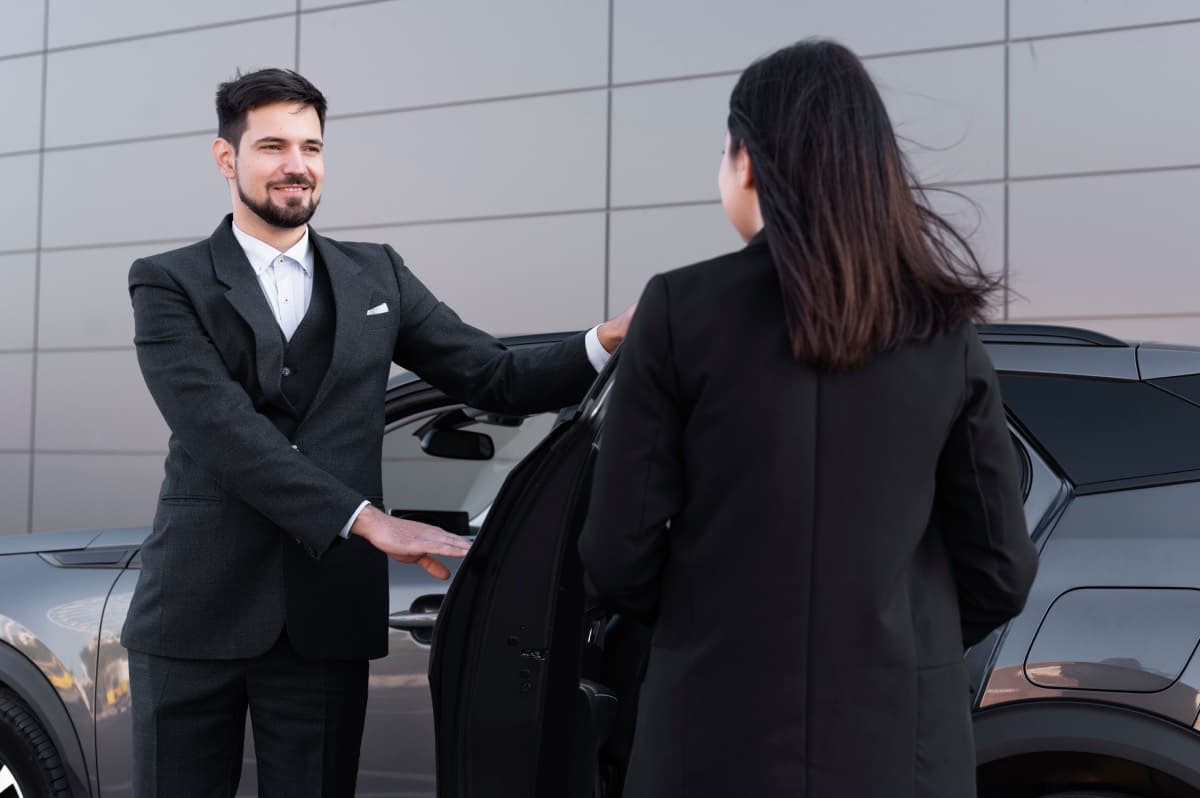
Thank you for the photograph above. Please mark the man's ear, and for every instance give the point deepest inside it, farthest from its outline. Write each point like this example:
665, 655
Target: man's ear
745, 170
226, 158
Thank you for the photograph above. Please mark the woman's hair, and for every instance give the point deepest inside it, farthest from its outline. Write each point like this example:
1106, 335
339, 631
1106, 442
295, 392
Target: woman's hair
863, 263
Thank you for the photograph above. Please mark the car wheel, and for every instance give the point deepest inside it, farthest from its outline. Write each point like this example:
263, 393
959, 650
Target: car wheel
29, 765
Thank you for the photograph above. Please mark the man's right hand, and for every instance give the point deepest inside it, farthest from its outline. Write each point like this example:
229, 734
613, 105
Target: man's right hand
409, 541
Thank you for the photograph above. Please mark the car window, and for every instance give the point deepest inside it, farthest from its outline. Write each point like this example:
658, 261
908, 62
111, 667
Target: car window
1023, 466
415, 480
1105, 430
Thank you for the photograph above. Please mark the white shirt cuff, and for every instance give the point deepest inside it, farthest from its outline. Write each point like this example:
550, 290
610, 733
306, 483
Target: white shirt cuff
596, 352
345, 533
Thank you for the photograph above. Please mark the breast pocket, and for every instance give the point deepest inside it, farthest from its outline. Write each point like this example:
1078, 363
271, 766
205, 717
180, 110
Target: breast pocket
380, 315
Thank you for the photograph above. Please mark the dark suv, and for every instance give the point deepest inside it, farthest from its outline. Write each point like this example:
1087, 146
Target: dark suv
1093, 690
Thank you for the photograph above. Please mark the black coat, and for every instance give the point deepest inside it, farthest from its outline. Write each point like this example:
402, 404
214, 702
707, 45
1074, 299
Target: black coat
816, 549
245, 536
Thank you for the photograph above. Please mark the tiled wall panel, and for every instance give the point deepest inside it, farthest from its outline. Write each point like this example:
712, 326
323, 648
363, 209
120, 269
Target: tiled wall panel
14, 494
1105, 101
18, 202
94, 491
523, 156
669, 38
85, 296
509, 276
667, 137
646, 242
180, 72
151, 191
1108, 245
96, 401
977, 213
17, 275
499, 205
24, 23
16, 380
408, 54
667, 140
948, 109
1040, 18
21, 99
81, 21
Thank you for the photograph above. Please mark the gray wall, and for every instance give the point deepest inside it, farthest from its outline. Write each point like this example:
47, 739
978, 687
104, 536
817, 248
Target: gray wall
536, 160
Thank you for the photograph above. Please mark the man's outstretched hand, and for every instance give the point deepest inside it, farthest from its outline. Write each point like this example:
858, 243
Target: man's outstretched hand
409, 541
612, 332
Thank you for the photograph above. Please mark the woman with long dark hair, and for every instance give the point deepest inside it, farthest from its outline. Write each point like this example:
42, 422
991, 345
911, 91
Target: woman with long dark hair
805, 481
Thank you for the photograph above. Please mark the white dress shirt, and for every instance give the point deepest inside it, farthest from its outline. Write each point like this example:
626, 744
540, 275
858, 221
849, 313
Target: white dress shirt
286, 279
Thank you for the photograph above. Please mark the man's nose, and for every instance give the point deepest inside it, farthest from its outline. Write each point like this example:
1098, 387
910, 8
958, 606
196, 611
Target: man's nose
293, 164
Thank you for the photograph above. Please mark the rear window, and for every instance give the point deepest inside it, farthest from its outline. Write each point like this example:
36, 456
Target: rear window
1105, 430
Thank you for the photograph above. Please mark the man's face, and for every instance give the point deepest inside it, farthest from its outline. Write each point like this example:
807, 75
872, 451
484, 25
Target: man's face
279, 165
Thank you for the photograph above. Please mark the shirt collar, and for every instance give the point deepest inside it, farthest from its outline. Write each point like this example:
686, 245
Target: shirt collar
261, 254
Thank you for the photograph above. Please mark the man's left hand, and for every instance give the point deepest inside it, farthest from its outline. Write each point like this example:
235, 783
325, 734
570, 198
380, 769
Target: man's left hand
612, 332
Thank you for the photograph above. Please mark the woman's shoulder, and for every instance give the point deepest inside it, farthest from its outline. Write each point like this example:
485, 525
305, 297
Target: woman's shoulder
721, 274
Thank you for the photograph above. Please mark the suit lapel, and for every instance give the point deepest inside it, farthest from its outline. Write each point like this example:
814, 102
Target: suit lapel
350, 298
246, 295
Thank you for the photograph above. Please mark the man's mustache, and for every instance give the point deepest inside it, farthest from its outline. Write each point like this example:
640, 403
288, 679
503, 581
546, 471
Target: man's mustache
294, 182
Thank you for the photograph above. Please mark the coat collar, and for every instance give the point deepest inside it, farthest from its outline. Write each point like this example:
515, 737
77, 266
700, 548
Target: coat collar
233, 269
350, 298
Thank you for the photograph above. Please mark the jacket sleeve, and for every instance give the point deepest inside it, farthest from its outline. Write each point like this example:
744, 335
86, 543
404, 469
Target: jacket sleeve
472, 366
213, 418
638, 486
979, 507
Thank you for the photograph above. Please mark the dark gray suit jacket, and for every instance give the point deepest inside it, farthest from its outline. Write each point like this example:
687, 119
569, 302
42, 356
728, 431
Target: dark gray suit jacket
245, 536
834, 541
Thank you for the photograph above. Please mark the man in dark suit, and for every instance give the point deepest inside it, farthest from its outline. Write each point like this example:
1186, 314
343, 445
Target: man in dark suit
267, 348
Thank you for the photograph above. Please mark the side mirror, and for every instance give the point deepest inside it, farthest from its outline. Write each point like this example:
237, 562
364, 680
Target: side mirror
457, 444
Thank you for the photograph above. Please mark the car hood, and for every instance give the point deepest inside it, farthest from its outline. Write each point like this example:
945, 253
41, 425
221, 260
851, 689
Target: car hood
72, 540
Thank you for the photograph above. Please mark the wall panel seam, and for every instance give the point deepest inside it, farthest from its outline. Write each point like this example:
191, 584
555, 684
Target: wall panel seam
1075, 34
296, 57
160, 34
37, 262
608, 147
1006, 140
865, 56
183, 240
338, 6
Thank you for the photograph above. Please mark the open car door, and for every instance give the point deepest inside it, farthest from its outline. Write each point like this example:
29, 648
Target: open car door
512, 712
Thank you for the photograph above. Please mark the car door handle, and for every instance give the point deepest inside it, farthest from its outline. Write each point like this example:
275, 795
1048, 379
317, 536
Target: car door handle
413, 620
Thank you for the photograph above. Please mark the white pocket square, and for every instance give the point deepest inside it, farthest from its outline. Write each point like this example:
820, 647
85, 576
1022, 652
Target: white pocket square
380, 308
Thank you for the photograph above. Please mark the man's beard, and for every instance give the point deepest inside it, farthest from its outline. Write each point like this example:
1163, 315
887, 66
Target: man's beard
295, 214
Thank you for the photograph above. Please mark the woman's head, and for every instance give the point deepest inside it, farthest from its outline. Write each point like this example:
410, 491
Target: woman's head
863, 262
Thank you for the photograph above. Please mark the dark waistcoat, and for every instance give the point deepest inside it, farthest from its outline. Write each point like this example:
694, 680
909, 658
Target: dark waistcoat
306, 357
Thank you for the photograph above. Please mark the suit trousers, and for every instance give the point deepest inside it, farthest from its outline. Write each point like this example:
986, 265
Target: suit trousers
189, 720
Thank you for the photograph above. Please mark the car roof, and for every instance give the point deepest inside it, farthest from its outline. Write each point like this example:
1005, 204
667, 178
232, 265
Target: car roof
1072, 351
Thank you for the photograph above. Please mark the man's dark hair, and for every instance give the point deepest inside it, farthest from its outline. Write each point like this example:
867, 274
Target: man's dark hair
244, 93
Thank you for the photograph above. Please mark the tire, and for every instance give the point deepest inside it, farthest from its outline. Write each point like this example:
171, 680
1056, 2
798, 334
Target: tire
29, 765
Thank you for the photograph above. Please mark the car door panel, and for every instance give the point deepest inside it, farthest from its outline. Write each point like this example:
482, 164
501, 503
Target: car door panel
505, 669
